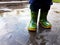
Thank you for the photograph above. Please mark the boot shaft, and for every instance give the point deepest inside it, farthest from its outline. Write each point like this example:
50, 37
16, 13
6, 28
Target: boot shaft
34, 16
43, 15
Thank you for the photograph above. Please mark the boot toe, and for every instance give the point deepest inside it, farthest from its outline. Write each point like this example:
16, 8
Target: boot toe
45, 24
32, 26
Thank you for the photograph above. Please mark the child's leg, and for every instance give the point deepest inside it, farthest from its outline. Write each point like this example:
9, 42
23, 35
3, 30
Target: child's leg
43, 17
34, 14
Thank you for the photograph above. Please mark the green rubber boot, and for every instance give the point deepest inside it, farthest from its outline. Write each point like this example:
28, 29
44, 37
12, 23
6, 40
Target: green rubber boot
33, 23
43, 19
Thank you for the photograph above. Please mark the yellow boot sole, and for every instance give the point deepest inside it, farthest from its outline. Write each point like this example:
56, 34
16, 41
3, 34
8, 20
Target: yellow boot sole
32, 29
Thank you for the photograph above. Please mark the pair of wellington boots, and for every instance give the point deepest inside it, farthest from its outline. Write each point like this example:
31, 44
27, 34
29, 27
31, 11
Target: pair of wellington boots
42, 20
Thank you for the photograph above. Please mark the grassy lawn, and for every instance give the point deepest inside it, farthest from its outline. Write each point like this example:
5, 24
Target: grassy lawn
56, 1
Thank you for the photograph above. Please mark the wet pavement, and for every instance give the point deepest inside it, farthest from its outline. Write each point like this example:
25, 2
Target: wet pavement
13, 28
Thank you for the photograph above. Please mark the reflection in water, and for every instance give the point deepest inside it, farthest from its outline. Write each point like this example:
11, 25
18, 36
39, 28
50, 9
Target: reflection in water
32, 39
41, 34
38, 38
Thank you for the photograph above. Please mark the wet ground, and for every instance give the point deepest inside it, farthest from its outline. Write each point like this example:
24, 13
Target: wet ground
13, 28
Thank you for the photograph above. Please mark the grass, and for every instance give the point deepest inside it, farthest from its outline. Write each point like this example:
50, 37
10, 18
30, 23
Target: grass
56, 1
